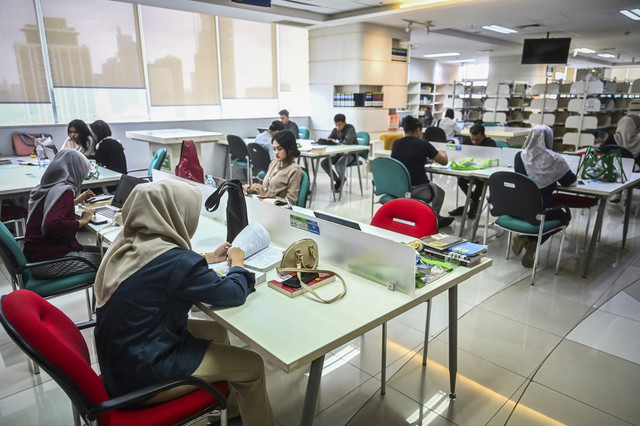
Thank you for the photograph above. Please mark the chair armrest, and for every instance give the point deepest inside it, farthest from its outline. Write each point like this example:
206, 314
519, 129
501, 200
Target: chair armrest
552, 209
87, 324
138, 170
139, 396
51, 261
19, 238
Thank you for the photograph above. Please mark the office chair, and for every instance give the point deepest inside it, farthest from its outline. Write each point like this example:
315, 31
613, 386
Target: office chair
304, 190
14, 214
56, 344
517, 203
303, 133
238, 155
502, 144
259, 161
391, 180
154, 164
434, 134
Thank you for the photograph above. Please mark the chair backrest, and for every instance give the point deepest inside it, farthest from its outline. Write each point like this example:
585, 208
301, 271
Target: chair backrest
54, 342
12, 255
157, 160
363, 139
502, 144
303, 133
259, 158
515, 195
407, 216
389, 138
237, 147
391, 177
434, 134
304, 189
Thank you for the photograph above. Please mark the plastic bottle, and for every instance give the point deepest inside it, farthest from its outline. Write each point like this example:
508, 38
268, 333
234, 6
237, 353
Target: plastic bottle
40, 155
210, 182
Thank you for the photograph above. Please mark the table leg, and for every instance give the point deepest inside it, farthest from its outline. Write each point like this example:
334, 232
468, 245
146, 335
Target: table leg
426, 333
313, 387
466, 206
627, 213
594, 235
476, 221
453, 339
383, 374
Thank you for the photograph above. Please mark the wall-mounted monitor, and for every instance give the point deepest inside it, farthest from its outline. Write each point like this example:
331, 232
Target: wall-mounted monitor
546, 50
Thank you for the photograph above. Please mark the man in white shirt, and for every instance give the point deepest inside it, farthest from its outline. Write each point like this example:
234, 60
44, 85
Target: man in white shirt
448, 124
266, 137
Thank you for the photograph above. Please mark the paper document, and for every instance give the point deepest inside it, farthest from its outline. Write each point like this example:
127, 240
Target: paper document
255, 241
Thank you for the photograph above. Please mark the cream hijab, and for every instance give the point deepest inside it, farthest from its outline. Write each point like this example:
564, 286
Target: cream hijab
627, 133
543, 165
157, 217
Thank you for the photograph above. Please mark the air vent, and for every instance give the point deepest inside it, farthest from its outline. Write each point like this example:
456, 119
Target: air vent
526, 27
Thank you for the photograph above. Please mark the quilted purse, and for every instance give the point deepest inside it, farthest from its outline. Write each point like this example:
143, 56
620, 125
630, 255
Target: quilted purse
302, 256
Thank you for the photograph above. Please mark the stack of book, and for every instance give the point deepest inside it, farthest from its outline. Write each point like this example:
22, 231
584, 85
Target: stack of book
451, 248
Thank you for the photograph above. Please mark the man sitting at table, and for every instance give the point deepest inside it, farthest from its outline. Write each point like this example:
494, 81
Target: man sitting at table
266, 137
413, 152
344, 134
288, 124
477, 138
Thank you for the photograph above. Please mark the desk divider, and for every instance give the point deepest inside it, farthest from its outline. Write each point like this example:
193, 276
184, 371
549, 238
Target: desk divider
479, 153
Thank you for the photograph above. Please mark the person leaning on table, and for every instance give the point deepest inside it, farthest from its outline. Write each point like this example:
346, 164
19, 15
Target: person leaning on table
413, 152
547, 169
266, 137
148, 281
284, 176
80, 138
52, 224
343, 134
477, 138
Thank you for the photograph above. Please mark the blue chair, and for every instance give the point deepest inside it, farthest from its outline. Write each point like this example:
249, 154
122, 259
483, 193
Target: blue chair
303, 133
238, 155
391, 180
304, 190
154, 164
502, 144
363, 139
516, 202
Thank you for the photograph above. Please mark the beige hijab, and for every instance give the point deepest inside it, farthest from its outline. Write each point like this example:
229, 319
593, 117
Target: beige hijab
157, 217
628, 133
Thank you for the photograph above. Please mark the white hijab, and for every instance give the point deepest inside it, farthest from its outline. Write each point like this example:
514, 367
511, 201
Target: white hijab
157, 217
628, 133
66, 172
543, 165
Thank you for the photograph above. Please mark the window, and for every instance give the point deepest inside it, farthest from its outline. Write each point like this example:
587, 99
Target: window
247, 53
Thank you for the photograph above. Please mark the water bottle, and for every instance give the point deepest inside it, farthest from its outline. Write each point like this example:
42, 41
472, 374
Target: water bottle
210, 182
40, 155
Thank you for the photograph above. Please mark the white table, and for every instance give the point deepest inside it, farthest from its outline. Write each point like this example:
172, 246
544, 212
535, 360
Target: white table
171, 139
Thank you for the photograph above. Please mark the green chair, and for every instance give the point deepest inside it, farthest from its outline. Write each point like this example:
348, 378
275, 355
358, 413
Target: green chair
304, 190
303, 133
22, 277
364, 140
238, 155
154, 164
502, 144
391, 180
259, 161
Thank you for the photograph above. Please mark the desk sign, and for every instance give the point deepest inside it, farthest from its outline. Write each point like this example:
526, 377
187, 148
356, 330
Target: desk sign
304, 224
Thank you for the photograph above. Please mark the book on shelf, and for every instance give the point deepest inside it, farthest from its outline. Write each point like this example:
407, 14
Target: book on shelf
441, 242
255, 241
468, 249
320, 281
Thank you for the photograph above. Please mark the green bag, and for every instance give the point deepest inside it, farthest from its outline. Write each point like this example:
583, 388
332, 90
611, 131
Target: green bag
606, 167
469, 164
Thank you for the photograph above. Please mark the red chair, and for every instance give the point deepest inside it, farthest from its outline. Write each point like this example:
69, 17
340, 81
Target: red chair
412, 217
55, 343
407, 216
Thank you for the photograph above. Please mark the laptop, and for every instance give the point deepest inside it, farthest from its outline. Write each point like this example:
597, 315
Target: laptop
106, 214
338, 220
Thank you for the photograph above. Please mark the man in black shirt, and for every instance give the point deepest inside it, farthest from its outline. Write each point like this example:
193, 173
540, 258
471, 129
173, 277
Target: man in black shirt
477, 138
344, 134
413, 152
288, 124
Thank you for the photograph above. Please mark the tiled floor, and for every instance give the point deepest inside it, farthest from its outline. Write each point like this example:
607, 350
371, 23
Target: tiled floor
566, 350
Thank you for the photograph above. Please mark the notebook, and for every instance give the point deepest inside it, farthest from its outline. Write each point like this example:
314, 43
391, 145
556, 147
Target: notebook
106, 214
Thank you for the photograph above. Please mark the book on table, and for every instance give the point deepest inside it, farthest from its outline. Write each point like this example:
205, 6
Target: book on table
441, 242
279, 285
255, 241
468, 249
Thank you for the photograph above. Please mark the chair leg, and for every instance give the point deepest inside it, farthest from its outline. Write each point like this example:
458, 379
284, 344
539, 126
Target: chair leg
560, 250
88, 297
76, 416
537, 256
486, 226
508, 245
360, 178
586, 231
34, 366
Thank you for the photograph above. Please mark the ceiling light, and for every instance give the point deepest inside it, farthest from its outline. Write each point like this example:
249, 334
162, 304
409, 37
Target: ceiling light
632, 14
440, 55
499, 29
420, 3
459, 61
584, 50
606, 55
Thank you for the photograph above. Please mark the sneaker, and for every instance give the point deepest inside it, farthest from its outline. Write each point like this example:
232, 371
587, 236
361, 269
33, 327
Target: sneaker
337, 185
518, 244
473, 208
444, 221
457, 211
530, 254
615, 198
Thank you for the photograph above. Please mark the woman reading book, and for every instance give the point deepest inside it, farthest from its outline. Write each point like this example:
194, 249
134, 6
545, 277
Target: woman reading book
146, 285
284, 175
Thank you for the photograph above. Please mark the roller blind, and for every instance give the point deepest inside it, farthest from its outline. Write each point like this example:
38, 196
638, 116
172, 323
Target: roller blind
293, 54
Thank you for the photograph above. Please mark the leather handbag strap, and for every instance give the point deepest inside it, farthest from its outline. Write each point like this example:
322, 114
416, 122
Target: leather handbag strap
285, 271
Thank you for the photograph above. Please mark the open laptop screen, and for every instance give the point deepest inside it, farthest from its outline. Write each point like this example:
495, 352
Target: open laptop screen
125, 186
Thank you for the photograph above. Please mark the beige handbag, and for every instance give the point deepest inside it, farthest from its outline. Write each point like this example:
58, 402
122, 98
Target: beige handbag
302, 256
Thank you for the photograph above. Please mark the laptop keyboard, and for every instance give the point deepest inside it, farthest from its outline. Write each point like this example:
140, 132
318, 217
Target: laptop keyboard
106, 212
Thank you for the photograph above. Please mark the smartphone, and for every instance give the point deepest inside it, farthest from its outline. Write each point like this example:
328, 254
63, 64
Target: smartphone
293, 282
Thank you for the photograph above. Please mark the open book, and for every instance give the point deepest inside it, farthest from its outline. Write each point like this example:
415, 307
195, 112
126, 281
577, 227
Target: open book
255, 241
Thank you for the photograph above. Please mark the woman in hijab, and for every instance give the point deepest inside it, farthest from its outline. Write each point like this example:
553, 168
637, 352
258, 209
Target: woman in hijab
146, 285
547, 169
628, 133
52, 224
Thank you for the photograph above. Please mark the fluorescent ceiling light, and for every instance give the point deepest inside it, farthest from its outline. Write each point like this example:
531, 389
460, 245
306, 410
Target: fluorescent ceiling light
606, 55
499, 29
632, 14
420, 3
459, 61
440, 55
584, 50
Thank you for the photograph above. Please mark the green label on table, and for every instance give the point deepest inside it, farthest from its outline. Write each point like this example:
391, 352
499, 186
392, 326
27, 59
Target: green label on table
304, 224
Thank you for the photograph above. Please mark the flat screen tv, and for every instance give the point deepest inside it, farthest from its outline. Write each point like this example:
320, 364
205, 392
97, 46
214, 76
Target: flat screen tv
546, 50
